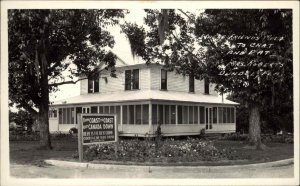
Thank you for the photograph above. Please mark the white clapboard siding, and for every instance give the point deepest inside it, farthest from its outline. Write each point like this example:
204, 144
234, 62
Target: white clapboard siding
83, 86
155, 78
150, 78
111, 84
178, 82
199, 86
145, 78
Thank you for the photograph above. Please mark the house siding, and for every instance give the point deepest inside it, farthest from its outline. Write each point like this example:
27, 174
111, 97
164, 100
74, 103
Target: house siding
83, 86
149, 78
144, 78
199, 86
177, 82
155, 78
112, 84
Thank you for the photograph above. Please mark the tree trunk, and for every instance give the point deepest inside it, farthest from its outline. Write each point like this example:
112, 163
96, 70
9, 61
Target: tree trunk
45, 141
254, 127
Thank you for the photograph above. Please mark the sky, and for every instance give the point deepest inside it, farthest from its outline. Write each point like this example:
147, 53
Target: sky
121, 48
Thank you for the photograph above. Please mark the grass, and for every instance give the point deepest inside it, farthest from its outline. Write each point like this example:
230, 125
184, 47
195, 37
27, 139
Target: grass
274, 151
27, 152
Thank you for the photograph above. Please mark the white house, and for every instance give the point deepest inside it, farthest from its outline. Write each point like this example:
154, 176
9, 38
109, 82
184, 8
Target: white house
142, 96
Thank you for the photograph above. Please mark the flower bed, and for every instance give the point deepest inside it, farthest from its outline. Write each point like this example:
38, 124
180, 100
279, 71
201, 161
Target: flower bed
168, 150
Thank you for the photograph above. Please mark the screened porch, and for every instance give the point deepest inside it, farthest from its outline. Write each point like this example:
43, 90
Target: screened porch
141, 118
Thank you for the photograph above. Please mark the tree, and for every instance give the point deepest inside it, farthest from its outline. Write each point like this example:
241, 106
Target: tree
43, 43
21, 118
247, 53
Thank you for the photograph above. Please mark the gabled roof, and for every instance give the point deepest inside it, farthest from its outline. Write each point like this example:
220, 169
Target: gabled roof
142, 95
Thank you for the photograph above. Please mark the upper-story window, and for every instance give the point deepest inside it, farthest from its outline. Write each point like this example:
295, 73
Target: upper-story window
164, 80
191, 83
93, 85
132, 79
206, 85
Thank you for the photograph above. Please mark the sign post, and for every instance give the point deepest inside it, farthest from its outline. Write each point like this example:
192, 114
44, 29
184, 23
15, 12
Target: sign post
96, 129
80, 145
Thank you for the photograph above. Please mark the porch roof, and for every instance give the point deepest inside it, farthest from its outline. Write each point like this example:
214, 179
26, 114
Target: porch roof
143, 95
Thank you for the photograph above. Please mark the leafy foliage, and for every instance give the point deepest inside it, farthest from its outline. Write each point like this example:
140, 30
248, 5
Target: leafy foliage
169, 151
21, 118
245, 52
45, 42
248, 51
76, 36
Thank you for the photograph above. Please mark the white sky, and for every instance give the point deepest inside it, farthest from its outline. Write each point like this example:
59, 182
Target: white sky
121, 48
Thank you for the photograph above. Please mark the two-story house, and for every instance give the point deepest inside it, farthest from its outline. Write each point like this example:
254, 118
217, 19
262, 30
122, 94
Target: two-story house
143, 96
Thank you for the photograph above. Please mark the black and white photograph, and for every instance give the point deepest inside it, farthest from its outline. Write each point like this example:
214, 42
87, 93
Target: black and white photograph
149, 93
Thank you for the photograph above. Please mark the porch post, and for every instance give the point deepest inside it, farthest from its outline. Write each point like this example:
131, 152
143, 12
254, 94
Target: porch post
150, 116
176, 118
218, 115
121, 117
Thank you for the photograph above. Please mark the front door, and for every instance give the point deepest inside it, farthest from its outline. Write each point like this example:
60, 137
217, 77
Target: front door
208, 118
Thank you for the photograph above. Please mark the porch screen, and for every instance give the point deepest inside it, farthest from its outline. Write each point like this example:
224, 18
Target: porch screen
154, 114
66, 116
179, 111
145, 114
135, 114
226, 115
201, 111
94, 109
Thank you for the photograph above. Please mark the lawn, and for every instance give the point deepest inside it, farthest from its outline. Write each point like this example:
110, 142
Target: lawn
27, 152
232, 152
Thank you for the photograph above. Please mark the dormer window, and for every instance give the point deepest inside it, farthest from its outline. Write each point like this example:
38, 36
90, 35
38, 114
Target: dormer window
206, 85
191, 83
164, 80
132, 79
93, 85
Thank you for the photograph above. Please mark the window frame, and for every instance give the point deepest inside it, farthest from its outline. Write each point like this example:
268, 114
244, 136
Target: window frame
206, 86
163, 82
93, 83
191, 84
132, 79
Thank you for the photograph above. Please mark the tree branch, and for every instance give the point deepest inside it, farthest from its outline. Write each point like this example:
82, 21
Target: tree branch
54, 66
29, 108
66, 82
189, 17
191, 53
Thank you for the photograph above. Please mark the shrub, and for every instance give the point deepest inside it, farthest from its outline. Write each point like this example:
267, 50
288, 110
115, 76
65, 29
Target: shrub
285, 138
73, 130
202, 134
170, 150
235, 137
59, 135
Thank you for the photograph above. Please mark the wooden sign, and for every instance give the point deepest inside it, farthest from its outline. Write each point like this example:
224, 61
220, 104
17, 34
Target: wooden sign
96, 129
